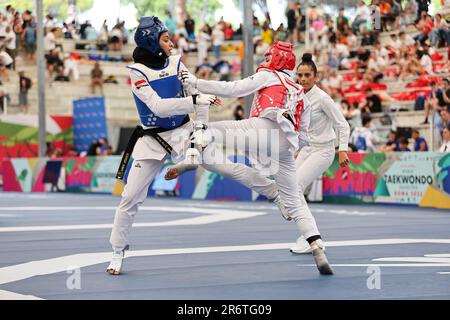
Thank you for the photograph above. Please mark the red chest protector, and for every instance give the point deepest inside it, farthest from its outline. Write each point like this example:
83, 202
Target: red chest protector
287, 96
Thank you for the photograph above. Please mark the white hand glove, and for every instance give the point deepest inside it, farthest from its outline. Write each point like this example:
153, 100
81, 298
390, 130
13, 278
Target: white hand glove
203, 99
201, 136
187, 78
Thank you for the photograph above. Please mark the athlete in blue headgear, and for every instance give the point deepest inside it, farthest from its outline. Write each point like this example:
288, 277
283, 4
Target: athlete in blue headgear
163, 107
165, 125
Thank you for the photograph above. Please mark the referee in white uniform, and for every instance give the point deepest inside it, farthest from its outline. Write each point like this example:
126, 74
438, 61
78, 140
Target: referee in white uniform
327, 122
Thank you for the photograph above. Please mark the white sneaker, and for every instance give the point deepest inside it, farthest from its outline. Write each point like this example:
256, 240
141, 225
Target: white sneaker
302, 246
115, 267
280, 205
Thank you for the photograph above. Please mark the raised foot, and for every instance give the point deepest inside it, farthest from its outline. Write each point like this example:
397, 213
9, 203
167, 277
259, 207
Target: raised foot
178, 170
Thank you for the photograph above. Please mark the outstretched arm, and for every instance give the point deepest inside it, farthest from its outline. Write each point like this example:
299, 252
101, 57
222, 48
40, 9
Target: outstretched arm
240, 88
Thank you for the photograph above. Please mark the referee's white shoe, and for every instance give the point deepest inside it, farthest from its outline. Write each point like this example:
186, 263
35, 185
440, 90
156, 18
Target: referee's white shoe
115, 267
302, 246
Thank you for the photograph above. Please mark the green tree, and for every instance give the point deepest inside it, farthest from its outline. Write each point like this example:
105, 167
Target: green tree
149, 7
57, 7
200, 10
203, 10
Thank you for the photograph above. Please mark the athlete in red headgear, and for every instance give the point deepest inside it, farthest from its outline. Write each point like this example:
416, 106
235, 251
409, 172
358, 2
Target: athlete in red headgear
276, 129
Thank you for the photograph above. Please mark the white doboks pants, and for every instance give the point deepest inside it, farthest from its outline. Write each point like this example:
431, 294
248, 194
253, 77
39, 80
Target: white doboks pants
282, 159
141, 176
311, 162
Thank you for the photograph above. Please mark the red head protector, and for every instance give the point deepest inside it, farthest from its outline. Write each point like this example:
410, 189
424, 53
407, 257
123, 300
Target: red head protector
282, 56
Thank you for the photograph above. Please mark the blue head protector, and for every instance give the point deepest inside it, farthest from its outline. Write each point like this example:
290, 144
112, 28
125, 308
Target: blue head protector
148, 33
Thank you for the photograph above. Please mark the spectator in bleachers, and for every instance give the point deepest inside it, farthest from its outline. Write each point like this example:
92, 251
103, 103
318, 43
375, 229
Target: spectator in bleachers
10, 44
68, 31
50, 22
333, 83
189, 25
223, 68
371, 103
422, 6
267, 33
91, 33
409, 65
204, 70
18, 30
281, 33
49, 41
440, 31
260, 49
394, 42
97, 78
256, 27
296, 22
203, 41
342, 21
103, 34
353, 115
368, 38
29, 41
6, 63
446, 140
445, 116
61, 76
115, 39
4, 96
363, 56
420, 144
392, 143
54, 63
24, 86
82, 29
362, 16
170, 22
97, 147
375, 67
411, 10
71, 67
218, 38
425, 61
352, 42
183, 47
228, 31
438, 99
406, 39
363, 137
424, 26
403, 142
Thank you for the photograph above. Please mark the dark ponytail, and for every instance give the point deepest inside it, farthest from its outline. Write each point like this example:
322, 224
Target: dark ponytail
308, 61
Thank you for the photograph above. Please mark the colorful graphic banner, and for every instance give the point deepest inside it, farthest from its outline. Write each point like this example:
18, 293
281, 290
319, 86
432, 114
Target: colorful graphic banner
19, 135
420, 178
401, 178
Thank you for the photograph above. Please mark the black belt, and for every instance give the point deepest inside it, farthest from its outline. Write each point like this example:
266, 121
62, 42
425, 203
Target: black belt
139, 132
287, 116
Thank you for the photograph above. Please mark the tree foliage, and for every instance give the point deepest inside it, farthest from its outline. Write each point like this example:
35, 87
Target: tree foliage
149, 7
56, 7
200, 10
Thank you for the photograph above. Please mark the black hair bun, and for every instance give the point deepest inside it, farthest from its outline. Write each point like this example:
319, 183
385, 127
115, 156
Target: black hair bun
307, 57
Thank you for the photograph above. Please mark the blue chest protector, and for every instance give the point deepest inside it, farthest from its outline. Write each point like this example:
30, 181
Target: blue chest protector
166, 84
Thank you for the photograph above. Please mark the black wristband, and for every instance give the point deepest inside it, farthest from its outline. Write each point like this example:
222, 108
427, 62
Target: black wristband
194, 98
